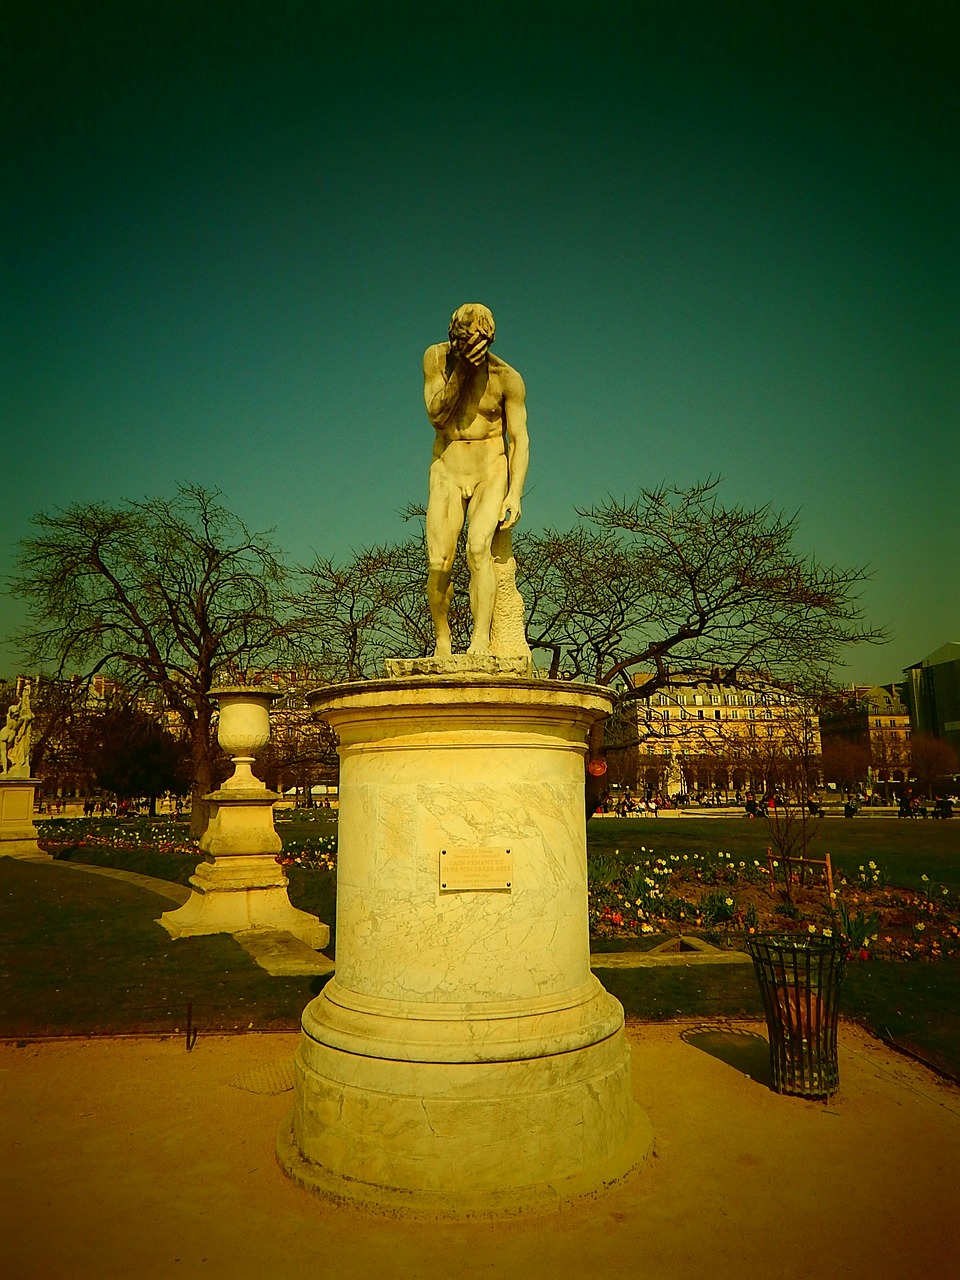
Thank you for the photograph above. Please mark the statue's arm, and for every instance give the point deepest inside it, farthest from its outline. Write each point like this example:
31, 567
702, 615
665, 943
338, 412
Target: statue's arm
441, 394
518, 447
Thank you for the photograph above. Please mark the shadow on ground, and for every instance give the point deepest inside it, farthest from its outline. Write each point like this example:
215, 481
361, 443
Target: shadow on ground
745, 1051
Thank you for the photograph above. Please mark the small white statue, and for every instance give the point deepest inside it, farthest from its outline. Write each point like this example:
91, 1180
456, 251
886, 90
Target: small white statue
15, 738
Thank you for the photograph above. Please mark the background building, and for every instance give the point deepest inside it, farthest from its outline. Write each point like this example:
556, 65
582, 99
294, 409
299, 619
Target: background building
873, 721
932, 689
705, 738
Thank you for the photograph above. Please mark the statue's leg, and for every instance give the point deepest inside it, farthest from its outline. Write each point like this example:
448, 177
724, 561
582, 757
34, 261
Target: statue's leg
445, 515
484, 516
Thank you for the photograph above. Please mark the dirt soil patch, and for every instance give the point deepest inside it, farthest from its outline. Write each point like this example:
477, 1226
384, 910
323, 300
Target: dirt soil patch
132, 1157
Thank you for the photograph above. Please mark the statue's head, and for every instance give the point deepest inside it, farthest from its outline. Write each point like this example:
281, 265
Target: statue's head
470, 319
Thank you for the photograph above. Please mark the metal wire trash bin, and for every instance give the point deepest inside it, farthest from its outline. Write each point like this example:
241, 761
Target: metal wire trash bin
800, 979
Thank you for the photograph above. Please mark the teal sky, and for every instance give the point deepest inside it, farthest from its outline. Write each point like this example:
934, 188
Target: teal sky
717, 239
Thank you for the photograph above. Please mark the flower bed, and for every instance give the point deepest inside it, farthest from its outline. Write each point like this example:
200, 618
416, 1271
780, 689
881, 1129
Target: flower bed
318, 853
632, 895
638, 894
157, 836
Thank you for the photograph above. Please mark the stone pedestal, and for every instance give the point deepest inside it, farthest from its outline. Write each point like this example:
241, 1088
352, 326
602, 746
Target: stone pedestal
18, 835
240, 885
464, 1060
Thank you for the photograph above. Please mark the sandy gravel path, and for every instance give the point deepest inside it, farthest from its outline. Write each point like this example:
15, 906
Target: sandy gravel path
134, 1158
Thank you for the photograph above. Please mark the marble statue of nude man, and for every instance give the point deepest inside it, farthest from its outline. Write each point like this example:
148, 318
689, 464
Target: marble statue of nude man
476, 403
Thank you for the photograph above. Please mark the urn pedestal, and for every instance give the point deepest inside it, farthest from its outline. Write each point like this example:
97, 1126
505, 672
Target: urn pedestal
240, 885
18, 835
464, 1060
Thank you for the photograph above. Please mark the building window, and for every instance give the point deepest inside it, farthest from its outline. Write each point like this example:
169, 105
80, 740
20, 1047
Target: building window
717, 715
699, 715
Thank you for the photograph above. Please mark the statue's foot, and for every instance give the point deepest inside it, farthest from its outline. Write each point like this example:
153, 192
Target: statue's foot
443, 651
479, 650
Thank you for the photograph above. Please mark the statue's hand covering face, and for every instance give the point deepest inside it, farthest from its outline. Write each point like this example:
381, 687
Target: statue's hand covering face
472, 328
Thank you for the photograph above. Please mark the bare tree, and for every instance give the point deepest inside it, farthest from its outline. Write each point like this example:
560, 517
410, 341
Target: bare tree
685, 588
889, 755
933, 760
845, 763
168, 595
674, 584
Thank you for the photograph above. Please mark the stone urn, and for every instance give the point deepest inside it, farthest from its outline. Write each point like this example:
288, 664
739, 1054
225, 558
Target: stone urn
244, 729
240, 885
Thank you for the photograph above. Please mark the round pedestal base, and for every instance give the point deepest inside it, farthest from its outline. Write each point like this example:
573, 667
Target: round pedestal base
444, 1140
474, 1113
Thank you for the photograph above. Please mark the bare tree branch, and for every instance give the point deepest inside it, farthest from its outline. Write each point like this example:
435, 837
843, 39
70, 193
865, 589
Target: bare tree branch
159, 594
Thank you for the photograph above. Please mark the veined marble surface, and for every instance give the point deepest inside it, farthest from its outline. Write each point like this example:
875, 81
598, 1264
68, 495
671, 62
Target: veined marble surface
464, 1044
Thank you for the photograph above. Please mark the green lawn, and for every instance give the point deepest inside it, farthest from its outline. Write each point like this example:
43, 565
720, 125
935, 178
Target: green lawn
88, 957
904, 849
82, 954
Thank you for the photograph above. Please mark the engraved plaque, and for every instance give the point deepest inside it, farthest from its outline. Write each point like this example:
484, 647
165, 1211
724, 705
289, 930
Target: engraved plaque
477, 868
